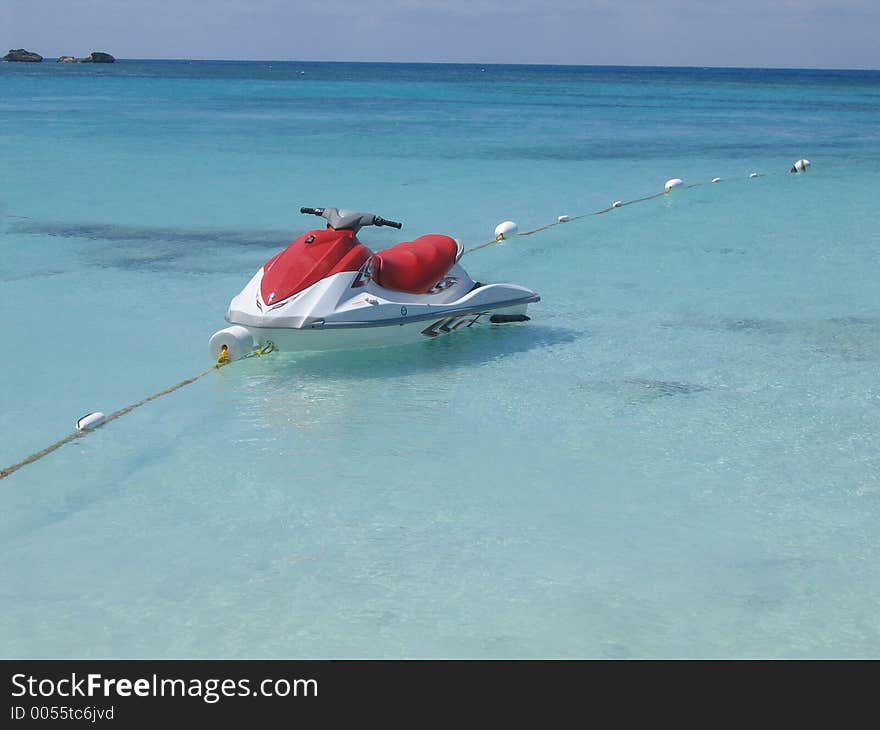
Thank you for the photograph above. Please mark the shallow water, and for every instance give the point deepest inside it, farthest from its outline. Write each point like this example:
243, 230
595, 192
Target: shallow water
677, 456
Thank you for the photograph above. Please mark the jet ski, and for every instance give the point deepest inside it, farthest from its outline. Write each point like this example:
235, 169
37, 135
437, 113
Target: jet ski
327, 290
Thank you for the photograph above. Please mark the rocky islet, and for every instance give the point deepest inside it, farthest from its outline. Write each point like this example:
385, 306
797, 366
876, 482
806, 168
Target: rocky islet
24, 56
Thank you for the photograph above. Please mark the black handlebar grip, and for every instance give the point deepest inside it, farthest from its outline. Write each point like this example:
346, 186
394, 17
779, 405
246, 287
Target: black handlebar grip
312, 211
379, 221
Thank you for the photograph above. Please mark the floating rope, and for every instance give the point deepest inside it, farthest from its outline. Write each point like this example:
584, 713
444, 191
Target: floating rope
799, 166
224, 359
265, 350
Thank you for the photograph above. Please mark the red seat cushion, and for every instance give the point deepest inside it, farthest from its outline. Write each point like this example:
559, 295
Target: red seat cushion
415, 266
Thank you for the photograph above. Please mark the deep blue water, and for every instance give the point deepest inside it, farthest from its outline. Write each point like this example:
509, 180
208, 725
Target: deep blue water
677, 456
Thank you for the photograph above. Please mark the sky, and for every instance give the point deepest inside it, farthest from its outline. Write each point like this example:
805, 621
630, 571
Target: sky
759, 33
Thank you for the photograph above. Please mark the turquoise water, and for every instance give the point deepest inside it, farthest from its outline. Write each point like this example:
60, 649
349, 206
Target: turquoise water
679, 456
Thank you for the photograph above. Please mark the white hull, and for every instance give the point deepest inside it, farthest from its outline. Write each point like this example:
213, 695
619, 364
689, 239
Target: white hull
339, 313
345, 338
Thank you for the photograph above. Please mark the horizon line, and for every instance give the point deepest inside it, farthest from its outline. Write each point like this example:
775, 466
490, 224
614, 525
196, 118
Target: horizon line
490, 63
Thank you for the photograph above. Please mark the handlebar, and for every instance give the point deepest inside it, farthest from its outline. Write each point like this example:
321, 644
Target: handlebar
349, 219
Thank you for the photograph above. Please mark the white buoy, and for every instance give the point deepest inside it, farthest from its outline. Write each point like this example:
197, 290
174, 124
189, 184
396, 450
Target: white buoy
562, 219
505, 230
237, 339
673, 183
754, 174
716, 179
800, 166
617, 204
90, 421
